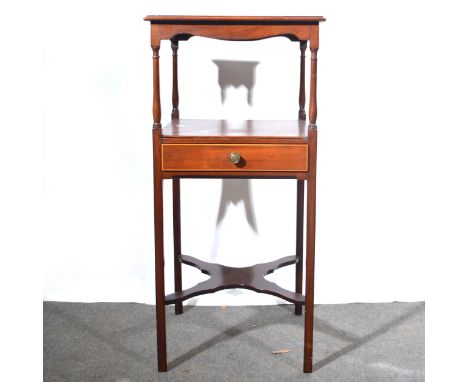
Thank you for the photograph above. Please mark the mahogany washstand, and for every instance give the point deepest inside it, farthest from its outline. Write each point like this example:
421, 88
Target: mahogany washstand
262, 149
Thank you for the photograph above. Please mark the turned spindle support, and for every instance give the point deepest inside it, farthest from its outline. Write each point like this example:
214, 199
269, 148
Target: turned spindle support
156, 93
313, 87
175, 83
302, 114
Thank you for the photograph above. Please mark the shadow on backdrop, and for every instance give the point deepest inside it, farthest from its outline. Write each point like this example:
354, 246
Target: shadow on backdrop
234, 191
236, 74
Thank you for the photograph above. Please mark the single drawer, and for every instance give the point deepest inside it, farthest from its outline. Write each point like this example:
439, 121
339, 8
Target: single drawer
231, 157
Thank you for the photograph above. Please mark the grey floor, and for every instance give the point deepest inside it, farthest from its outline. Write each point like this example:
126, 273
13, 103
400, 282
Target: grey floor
117, 342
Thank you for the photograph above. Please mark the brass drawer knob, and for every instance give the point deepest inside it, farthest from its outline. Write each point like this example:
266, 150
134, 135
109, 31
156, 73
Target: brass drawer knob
234, 157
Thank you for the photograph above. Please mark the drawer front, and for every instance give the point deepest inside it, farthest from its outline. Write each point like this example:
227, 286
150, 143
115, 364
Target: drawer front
222, 157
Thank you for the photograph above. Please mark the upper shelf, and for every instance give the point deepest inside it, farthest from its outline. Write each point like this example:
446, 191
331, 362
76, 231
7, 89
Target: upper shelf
235, 20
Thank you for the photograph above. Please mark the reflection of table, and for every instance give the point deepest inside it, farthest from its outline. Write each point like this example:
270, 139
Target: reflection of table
257, 149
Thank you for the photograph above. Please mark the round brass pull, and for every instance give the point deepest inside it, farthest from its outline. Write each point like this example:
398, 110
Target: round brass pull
234, 157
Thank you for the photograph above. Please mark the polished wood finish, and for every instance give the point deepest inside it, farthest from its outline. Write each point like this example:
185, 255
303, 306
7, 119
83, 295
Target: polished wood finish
156, 92
215, 157
159, 254
268, 150
299, 241
302, 114
223, 277
176, 184
175, 81
244, 32
310, 254
236, 174
313, 87
223, 131
226, 20
220, 128
235, 28
177, 241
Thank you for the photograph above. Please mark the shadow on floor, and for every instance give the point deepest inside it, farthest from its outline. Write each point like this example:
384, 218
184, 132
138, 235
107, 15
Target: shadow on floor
254, 322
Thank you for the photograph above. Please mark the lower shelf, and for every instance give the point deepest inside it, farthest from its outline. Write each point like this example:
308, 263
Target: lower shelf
223, 277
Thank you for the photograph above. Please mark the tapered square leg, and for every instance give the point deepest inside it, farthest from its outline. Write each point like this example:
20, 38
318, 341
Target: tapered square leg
177, 241
310, 253
309, 295
160, 296
159, 257
299, 241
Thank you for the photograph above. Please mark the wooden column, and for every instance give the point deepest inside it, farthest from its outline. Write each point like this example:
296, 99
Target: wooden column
302, 114
175, 83
158, 211
299, 241
310, 253
156, 93
177, 241
313, 86
159, 252
310, 218
300, 187
176, 184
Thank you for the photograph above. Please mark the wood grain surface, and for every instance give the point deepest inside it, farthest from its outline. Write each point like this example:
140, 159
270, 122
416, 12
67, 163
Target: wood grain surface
213, 157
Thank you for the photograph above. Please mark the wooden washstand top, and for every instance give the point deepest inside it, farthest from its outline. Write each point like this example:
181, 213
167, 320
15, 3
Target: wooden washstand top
170, 19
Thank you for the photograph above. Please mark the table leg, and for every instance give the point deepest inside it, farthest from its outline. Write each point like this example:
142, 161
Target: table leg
310, 254
177, 241
299, 241
159, 262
